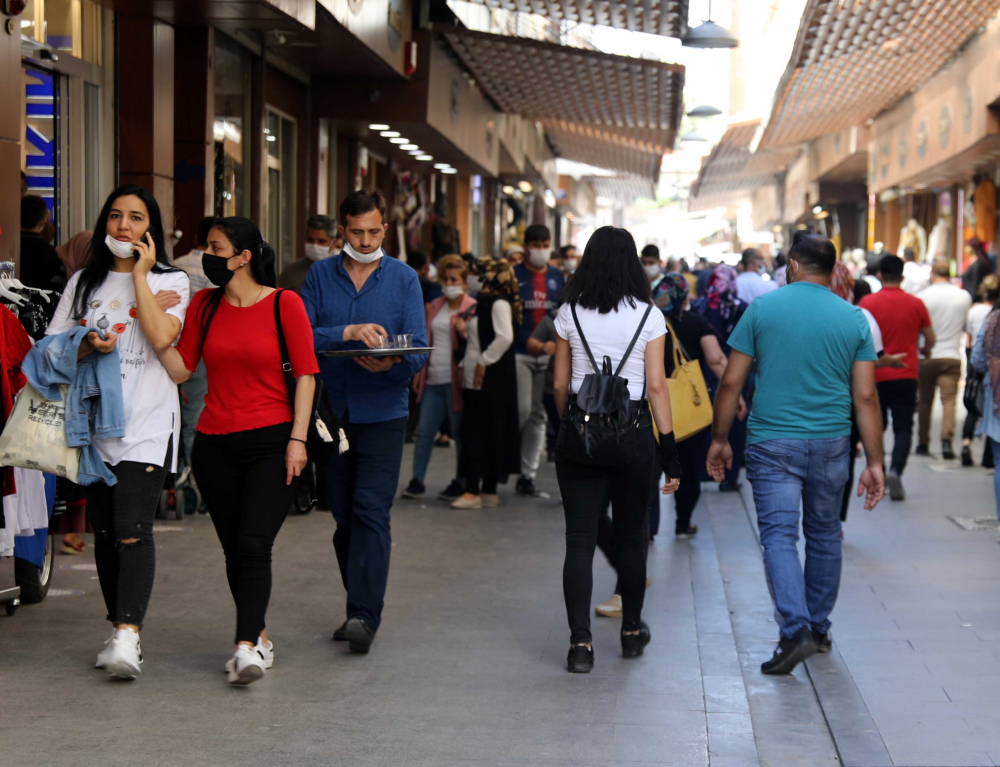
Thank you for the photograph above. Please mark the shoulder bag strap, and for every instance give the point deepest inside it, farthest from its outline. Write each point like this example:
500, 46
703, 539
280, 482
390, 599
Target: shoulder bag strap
286, 364
583, 339
638, 332
681, 356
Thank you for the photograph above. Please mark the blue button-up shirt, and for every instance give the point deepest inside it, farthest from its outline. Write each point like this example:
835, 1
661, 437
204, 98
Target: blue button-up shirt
391, 297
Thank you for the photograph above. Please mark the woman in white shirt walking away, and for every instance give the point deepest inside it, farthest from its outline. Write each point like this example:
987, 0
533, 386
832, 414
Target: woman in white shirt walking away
608, 306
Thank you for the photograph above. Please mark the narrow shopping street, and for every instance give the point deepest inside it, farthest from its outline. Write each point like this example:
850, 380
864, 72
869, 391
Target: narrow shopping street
468, 668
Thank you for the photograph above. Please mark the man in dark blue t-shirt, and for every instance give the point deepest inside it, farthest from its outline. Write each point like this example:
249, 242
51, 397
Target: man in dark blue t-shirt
541, 286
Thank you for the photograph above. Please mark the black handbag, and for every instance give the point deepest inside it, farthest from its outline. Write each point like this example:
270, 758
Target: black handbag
599, 427
975, 394
325, 438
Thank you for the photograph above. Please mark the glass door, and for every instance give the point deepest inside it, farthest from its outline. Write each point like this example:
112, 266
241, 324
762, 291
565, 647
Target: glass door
279, 218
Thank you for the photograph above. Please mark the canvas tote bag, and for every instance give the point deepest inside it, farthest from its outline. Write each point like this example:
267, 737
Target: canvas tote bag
35, 436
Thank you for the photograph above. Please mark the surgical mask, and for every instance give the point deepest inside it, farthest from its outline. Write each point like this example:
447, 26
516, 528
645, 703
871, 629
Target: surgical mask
451, 292
362, 258
652, 271
432, 273
538, 257
217, 269
118, 248
570, 264
335, 251
316, 252
474, 283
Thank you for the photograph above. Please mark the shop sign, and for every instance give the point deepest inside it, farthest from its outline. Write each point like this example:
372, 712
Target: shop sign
884, 158
922, 134
944, 125
394, 24
40, 134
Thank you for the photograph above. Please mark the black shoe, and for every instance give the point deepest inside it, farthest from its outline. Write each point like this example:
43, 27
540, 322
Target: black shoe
824, 642
967, 456
415, 489
442, 442
790, 653
580, 659
988, 462
359, 634
895, 485
729, 487
525, 486
922, 450
946, 452
453, 491
340, 635
687, 532
634, 644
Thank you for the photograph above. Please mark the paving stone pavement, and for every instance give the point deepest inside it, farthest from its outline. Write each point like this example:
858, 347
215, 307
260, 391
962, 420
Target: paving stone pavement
468, 668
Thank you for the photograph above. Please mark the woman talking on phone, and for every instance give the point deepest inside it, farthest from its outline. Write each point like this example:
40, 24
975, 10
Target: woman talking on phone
250, 445
115, 294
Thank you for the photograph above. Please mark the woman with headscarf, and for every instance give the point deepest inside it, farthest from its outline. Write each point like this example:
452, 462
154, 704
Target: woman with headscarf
723, 309
75, 252
491, 441
986, 359
699, 343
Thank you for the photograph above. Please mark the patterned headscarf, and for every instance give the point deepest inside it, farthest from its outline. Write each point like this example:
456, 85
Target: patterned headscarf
671, 294
842, 283
499, 280
721, 290
991, 343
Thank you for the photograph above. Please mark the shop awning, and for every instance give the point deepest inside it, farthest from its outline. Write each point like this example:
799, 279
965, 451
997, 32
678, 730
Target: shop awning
658, 17
852, 60
591, 103
622, 190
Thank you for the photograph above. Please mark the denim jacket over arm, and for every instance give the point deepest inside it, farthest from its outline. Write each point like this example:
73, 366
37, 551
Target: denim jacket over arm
95, 408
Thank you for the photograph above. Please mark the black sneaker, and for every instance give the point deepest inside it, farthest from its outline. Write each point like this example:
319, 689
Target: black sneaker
988, 462
633, 645
359, 634
922, 450
688, 532
415, 489
525, 486
340, 635
790, 653
452, 492
824, 642
580, 659
729, 487
967, 456
946, 452
896, 490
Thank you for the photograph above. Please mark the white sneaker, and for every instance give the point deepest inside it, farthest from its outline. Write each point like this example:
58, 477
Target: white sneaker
124, 658
266, 652
246, 666
105, 654
610, 609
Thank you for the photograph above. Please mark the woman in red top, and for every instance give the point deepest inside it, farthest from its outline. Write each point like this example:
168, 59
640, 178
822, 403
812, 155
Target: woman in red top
250, 446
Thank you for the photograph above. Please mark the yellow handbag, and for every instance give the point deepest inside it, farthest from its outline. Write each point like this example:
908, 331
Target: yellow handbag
689, 401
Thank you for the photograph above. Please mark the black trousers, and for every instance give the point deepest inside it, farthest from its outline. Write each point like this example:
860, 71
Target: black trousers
851, 458
125, 512
691, 453
898, 398
242, 478
584, 490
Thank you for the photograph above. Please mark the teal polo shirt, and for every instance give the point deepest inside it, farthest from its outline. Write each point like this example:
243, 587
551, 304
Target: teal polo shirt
805, 340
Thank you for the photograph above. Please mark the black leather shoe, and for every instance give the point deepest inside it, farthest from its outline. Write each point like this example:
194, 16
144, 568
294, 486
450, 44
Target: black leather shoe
359, 634
946, 452
580, 659
525, 486
633, 645
340, 635
967, 456
790, 653
687, 532
729, 487
824, 642
922, 450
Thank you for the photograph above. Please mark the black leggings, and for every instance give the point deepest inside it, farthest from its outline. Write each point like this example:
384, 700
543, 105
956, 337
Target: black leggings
584, 490
125, 512
242, 479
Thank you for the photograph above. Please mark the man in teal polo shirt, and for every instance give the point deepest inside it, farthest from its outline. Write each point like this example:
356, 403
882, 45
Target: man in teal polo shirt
814, 354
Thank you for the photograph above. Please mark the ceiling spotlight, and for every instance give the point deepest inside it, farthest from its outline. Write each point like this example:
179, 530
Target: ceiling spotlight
416, 151
705, 110
441, 165
424, 157
389, 134
378, 126
449, 170
399, 141
524, 186
272, 137
409, 147
507, 189
817, 209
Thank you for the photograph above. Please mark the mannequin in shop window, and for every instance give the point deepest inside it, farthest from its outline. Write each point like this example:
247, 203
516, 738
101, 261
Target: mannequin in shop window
914, 237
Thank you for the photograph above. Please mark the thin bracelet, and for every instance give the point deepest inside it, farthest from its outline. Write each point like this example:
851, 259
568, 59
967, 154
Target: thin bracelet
296, 439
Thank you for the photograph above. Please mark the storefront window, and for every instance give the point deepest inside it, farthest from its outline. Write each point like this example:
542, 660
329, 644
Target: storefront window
232, 115
279, 231
39, 151
70, 26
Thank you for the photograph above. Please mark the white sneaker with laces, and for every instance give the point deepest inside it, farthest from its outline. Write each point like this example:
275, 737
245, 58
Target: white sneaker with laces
124, 658
105, 654
246, 666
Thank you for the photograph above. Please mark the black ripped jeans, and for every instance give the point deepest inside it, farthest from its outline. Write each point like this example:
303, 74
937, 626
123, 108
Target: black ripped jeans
125, 512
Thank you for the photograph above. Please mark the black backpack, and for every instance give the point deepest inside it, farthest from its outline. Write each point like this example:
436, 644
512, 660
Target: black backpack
599, 429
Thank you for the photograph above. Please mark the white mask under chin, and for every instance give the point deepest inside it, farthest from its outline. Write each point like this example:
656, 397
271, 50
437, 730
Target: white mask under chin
362, 258
118, 248
316, 252
538, 257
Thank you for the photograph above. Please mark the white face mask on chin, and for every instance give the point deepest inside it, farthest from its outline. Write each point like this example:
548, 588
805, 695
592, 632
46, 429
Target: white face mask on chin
539, 257
316, 252
362, 258
118, 248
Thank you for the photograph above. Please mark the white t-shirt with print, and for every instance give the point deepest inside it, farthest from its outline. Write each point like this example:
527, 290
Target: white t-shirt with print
609, 335
152, 408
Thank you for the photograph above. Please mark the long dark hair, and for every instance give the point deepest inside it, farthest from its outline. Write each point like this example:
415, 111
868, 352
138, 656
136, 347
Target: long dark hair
609, 272
244, 234
101, 258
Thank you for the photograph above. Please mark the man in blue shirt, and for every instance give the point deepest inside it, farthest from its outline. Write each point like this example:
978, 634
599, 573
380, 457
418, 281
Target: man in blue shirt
814, 355
353, 301
541, 286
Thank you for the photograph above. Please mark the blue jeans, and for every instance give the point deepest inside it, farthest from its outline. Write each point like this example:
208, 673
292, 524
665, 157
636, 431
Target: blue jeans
435, 404
192, 403
785, 473
996, 475
361, 485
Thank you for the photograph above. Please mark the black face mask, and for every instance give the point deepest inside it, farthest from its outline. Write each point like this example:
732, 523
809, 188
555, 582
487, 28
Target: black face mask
217, 269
